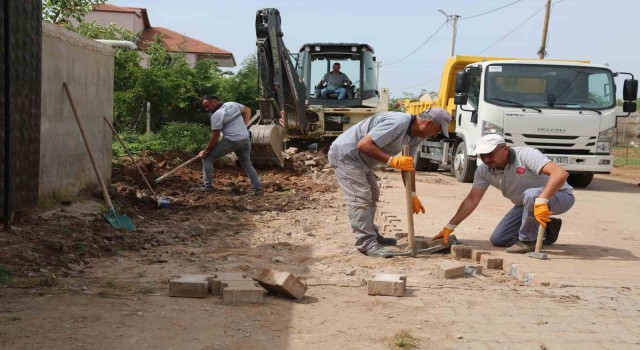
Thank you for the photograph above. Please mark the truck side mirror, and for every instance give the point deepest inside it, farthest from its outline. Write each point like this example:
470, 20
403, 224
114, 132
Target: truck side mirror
460, 99
462, 83
629, 90
629, 106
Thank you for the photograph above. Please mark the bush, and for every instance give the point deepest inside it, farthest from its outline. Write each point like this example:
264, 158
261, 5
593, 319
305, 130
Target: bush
187, 137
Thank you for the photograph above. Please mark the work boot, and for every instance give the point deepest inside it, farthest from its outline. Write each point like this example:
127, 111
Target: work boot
378, 251
552, 231
522, 247
202, 189
386, 241
258, 193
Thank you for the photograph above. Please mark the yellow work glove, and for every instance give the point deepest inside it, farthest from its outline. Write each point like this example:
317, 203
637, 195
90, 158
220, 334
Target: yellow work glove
444, 234
401, 162
417, 205
541, 211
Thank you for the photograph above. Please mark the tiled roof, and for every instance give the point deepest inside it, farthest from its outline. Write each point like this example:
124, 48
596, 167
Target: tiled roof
174, 42
114, 8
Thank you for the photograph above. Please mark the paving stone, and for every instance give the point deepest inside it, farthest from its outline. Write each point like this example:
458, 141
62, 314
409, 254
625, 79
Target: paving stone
477, 254
242, 292
220, 277
387, 284
280, 282
190, 286
460, 251
450, 269
489, 262
473, 269
422, 242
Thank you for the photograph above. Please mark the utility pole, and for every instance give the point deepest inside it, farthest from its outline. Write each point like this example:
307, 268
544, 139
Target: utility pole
378, 63
543, 52
454, 29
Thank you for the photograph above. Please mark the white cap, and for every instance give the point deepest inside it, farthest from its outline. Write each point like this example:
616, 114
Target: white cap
438, 115
488, 143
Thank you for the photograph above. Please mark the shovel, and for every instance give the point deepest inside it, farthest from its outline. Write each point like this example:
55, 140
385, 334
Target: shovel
113, 218
162, 202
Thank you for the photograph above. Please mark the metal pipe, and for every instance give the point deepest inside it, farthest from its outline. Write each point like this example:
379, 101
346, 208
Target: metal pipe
119, 43
8, 111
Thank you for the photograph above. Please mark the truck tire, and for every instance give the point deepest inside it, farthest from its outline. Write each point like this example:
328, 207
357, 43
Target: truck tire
580, 180
463, 168
423, 164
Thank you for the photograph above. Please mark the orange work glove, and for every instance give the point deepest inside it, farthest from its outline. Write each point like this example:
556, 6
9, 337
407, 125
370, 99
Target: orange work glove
417, 205
444, 234
541, 211
401, 162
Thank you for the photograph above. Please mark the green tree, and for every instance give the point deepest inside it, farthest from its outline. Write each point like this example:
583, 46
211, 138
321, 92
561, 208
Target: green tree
62, 11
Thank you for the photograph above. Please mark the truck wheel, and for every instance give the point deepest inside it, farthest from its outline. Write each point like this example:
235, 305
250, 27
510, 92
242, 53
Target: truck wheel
580, 180
463, 168
423, 164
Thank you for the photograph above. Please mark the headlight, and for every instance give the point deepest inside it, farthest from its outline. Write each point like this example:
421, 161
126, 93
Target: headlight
490, 128
605, 137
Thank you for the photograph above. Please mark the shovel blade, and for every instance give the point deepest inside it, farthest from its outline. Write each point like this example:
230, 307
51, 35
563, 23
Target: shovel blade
118, 221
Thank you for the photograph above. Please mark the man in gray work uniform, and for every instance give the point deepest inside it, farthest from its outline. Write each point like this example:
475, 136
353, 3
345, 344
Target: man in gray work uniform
231, 119
535, 185
336, 81
375, 140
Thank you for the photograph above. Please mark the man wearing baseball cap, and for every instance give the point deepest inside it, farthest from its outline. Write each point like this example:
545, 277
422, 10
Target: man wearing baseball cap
535, 185
379, 140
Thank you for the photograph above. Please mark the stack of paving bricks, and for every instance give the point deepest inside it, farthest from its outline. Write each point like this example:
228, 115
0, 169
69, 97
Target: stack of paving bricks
481, 259
237, 288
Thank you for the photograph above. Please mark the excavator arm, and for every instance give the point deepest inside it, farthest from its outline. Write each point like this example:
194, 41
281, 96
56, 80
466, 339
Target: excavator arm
283, 94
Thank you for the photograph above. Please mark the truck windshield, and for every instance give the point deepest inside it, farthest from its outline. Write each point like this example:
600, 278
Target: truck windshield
549, 86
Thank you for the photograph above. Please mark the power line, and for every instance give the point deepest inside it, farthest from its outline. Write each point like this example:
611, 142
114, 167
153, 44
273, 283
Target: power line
419, 84
421, 45
511, 31
494, 10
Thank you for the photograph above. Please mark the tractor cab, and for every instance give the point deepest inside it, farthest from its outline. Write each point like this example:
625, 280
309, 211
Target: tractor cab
315, 60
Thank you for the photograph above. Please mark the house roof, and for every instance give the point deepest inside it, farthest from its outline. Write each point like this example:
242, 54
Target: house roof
140, 12
173, 41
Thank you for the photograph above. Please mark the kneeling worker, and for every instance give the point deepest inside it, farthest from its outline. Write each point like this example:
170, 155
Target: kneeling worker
535, 185
378, 140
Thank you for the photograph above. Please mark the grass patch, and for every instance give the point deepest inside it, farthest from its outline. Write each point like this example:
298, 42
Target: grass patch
623, 156
404, 340
6, 275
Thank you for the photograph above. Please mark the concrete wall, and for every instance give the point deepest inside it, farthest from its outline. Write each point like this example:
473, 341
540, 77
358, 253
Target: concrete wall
87, 68
127, 20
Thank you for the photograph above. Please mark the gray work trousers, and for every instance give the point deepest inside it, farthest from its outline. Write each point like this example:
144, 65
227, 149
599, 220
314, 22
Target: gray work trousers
242, 149
361, 194
520, 224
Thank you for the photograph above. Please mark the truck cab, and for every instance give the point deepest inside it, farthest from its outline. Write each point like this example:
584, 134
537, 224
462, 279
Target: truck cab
566, 109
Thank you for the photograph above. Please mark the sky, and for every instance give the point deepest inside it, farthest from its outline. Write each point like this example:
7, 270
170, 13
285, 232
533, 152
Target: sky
604, 32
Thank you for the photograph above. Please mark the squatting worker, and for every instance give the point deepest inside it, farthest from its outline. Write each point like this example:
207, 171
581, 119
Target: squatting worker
379, 139
230, 118
535, 185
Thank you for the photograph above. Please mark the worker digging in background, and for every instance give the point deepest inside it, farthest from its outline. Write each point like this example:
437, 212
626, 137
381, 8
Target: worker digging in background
375, 140
535, 185
230, 118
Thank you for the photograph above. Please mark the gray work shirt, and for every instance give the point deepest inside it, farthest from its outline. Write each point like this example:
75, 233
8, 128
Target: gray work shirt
389, 131
521, 173
335, 81
228, 119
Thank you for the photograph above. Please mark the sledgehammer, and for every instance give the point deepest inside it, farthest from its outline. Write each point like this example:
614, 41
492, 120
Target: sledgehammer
538, 254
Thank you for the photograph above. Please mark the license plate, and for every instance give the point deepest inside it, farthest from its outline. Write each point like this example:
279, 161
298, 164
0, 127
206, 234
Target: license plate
559, 160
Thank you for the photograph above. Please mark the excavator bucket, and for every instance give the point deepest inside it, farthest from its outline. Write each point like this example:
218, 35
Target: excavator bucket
267, 143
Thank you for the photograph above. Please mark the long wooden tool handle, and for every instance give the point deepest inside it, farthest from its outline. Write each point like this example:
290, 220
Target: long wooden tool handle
131, 156
176, 169
406, 175
105, 194
540, 238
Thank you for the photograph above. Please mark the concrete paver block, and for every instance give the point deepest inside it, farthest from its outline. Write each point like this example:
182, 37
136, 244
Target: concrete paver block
422, 242
400, 235
473, 269
460, 251
218, 278
476, 254
450, 269
281, 282
190, 286
387, 284
489, 262
242, 292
